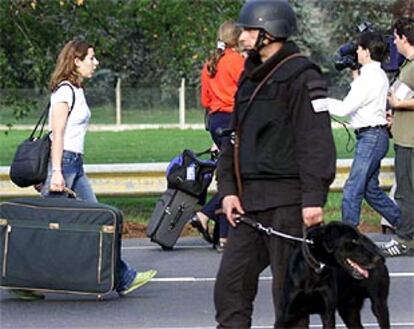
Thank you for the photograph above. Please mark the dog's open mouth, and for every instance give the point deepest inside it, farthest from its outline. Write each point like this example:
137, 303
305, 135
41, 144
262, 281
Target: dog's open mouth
356, 270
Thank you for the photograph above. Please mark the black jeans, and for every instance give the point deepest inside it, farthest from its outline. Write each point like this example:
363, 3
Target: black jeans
404, 194
248, 252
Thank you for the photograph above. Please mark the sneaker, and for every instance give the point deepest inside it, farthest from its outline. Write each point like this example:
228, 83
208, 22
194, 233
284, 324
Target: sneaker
393, 248
26, 294
140, 279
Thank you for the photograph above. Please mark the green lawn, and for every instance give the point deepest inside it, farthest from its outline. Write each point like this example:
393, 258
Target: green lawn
155, 145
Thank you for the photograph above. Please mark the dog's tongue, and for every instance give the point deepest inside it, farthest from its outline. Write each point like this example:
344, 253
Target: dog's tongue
358, 268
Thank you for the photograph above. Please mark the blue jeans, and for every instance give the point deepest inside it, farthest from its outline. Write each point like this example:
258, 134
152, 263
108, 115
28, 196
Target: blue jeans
362, 183
77, 181
75, 178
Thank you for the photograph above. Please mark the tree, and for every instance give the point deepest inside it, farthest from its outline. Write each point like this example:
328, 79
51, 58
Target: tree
156, 42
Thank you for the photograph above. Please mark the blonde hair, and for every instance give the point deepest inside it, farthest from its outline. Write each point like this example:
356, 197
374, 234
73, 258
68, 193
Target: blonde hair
65, 68
228, 33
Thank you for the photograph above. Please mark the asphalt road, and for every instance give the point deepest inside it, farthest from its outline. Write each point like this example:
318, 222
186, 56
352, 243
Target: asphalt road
181, 296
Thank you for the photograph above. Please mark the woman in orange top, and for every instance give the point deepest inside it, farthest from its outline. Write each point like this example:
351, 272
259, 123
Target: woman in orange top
219, 79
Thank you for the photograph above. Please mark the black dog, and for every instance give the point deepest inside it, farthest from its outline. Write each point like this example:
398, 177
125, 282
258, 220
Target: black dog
338, 270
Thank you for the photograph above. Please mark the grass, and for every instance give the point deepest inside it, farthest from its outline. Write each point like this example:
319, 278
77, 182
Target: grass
160, 146
154, 145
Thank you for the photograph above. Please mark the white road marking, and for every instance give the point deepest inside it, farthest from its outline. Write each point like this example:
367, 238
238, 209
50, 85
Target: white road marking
206, 246
339, 325
263, 278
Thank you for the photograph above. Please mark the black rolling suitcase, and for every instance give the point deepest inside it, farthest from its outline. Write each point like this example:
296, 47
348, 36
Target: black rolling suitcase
59, 245
188, 178
171, 213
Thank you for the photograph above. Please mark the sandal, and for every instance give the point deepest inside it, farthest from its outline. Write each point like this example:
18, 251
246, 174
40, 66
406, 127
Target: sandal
196, 223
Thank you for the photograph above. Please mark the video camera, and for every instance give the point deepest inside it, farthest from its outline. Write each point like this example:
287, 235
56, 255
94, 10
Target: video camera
346, 56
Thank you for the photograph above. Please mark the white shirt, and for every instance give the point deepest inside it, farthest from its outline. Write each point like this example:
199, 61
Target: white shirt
78, 120
367, 99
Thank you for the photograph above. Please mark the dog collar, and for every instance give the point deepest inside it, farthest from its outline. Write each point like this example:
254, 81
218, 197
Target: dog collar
316, 265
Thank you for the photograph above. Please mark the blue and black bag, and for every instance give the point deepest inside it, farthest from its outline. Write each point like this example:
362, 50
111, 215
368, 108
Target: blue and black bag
190, 174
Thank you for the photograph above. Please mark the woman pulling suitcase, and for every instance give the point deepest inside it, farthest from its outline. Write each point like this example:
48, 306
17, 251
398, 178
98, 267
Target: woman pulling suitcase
219, 79
69, 116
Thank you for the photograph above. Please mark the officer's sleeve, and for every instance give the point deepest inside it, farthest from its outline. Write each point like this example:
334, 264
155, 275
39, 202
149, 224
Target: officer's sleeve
315, 148
225, 166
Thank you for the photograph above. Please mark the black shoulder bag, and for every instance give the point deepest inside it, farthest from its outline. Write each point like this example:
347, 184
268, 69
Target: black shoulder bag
29, 166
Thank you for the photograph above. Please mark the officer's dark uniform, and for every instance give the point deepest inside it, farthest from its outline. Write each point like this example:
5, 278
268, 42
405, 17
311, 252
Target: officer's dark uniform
287, 162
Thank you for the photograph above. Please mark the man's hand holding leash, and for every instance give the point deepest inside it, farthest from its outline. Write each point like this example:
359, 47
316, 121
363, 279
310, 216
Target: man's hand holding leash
231, 208
312, 216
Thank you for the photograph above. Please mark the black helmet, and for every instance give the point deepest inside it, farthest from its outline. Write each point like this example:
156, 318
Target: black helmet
276, 17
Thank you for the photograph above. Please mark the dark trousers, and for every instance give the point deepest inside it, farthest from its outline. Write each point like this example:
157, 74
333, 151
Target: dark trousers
248, 252
210, 211
217, 120
404, 194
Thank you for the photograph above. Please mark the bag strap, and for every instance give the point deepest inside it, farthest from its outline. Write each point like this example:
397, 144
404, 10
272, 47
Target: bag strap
238, 129
45, 114
203, 152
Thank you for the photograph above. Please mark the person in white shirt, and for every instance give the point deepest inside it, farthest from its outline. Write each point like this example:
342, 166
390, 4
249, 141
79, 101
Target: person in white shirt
365, 104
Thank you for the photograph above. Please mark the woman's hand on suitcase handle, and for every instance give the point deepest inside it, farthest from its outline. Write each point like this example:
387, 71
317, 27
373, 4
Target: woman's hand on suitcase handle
232, 208
57, 183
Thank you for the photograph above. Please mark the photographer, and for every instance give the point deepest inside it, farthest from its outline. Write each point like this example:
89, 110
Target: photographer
366, 106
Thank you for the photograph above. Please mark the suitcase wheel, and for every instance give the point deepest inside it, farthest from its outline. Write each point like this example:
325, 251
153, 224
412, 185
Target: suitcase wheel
166, 248
99, 298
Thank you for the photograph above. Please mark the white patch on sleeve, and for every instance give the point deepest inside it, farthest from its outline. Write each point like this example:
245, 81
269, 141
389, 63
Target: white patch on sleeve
320, 105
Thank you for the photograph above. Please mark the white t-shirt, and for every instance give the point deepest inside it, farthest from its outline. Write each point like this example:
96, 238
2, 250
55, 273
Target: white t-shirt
366, 101
78, 119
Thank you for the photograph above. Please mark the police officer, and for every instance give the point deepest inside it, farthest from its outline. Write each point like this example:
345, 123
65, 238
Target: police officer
278, 169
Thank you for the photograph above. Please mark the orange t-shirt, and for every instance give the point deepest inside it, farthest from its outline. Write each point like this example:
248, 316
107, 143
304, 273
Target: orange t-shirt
217, 93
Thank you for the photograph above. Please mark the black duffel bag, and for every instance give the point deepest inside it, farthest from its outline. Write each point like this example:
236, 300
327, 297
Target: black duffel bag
190, 174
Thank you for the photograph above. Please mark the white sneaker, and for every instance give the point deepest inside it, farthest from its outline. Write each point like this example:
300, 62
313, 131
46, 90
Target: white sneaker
393, 248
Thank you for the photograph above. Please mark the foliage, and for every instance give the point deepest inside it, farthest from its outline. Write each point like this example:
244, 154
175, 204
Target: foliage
156, 42
32, 33
183, 33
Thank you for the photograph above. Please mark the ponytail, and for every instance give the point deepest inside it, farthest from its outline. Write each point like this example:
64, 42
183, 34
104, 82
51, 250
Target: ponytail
213, 61
228, 36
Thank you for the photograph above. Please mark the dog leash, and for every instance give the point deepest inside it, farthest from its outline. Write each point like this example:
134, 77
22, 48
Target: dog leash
312, 261
270, 231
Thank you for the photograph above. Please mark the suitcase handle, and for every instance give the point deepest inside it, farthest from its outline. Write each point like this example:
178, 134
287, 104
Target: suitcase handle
174, 221
71, 193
